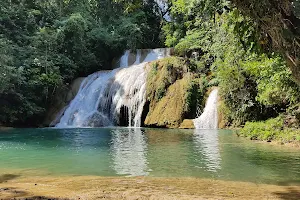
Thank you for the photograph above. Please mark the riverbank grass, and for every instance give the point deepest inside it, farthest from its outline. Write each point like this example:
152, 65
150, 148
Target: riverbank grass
271, 130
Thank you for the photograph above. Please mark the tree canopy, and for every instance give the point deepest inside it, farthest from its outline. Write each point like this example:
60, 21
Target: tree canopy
46, 44
243, 60
242, 46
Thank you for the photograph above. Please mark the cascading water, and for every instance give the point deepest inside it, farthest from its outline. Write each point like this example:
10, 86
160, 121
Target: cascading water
115, 97
209, 117
141, 55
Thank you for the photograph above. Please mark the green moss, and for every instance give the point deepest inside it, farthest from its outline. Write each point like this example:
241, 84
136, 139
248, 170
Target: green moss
272, 129
162, 74
194, 96
169, 110
173, 91
153, 71
160, 92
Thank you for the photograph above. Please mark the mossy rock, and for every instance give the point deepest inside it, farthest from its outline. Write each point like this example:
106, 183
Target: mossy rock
168, 112
162, 74
170, 91
187, 124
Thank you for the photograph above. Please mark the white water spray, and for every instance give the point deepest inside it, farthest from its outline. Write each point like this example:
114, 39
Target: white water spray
209, 117
107, 98
141, 55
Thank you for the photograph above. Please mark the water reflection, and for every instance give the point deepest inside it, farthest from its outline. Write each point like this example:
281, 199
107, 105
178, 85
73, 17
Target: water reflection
207, 144
129, 150
161, 152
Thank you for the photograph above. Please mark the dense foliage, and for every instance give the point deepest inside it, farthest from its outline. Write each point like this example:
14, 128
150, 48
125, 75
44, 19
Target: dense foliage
241, 46
46, 44
255, 83
278, 21
272, 129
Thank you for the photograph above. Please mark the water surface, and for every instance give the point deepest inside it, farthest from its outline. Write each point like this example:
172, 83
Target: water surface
217, 154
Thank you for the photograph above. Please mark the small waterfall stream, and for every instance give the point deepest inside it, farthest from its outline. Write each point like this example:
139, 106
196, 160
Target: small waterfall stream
113, 97
209, 117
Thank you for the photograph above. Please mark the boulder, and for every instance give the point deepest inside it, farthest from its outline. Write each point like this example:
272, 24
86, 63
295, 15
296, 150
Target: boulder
187, 124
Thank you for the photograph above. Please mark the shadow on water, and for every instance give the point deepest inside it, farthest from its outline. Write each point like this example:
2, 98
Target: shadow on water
291, 194
7, 177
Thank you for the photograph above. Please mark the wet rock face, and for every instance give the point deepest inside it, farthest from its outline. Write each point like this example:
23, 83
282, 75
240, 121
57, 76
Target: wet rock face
187, 124
62, 99
124, 116
169, 110
168, 84
96, 120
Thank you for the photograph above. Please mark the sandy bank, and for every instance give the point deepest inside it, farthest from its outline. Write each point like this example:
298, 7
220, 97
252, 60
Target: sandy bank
92, 187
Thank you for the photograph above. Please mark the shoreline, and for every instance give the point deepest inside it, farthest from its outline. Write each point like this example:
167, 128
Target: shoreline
5, 128
290, 144
294, 145
97, 187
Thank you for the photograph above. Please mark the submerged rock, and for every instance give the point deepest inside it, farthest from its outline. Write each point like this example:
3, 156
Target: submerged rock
3, 128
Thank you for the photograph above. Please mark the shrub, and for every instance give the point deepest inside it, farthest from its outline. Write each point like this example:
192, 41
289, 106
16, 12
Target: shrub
272, 129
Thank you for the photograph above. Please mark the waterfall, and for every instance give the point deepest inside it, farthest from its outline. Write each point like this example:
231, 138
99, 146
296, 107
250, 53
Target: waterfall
209, 117
141, 55
123, 62
112, 97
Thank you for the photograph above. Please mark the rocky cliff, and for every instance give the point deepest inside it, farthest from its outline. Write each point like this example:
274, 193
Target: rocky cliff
173, 88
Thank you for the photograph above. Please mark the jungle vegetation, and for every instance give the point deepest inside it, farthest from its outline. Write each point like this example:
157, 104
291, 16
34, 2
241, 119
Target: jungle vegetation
45, 44
248, 48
